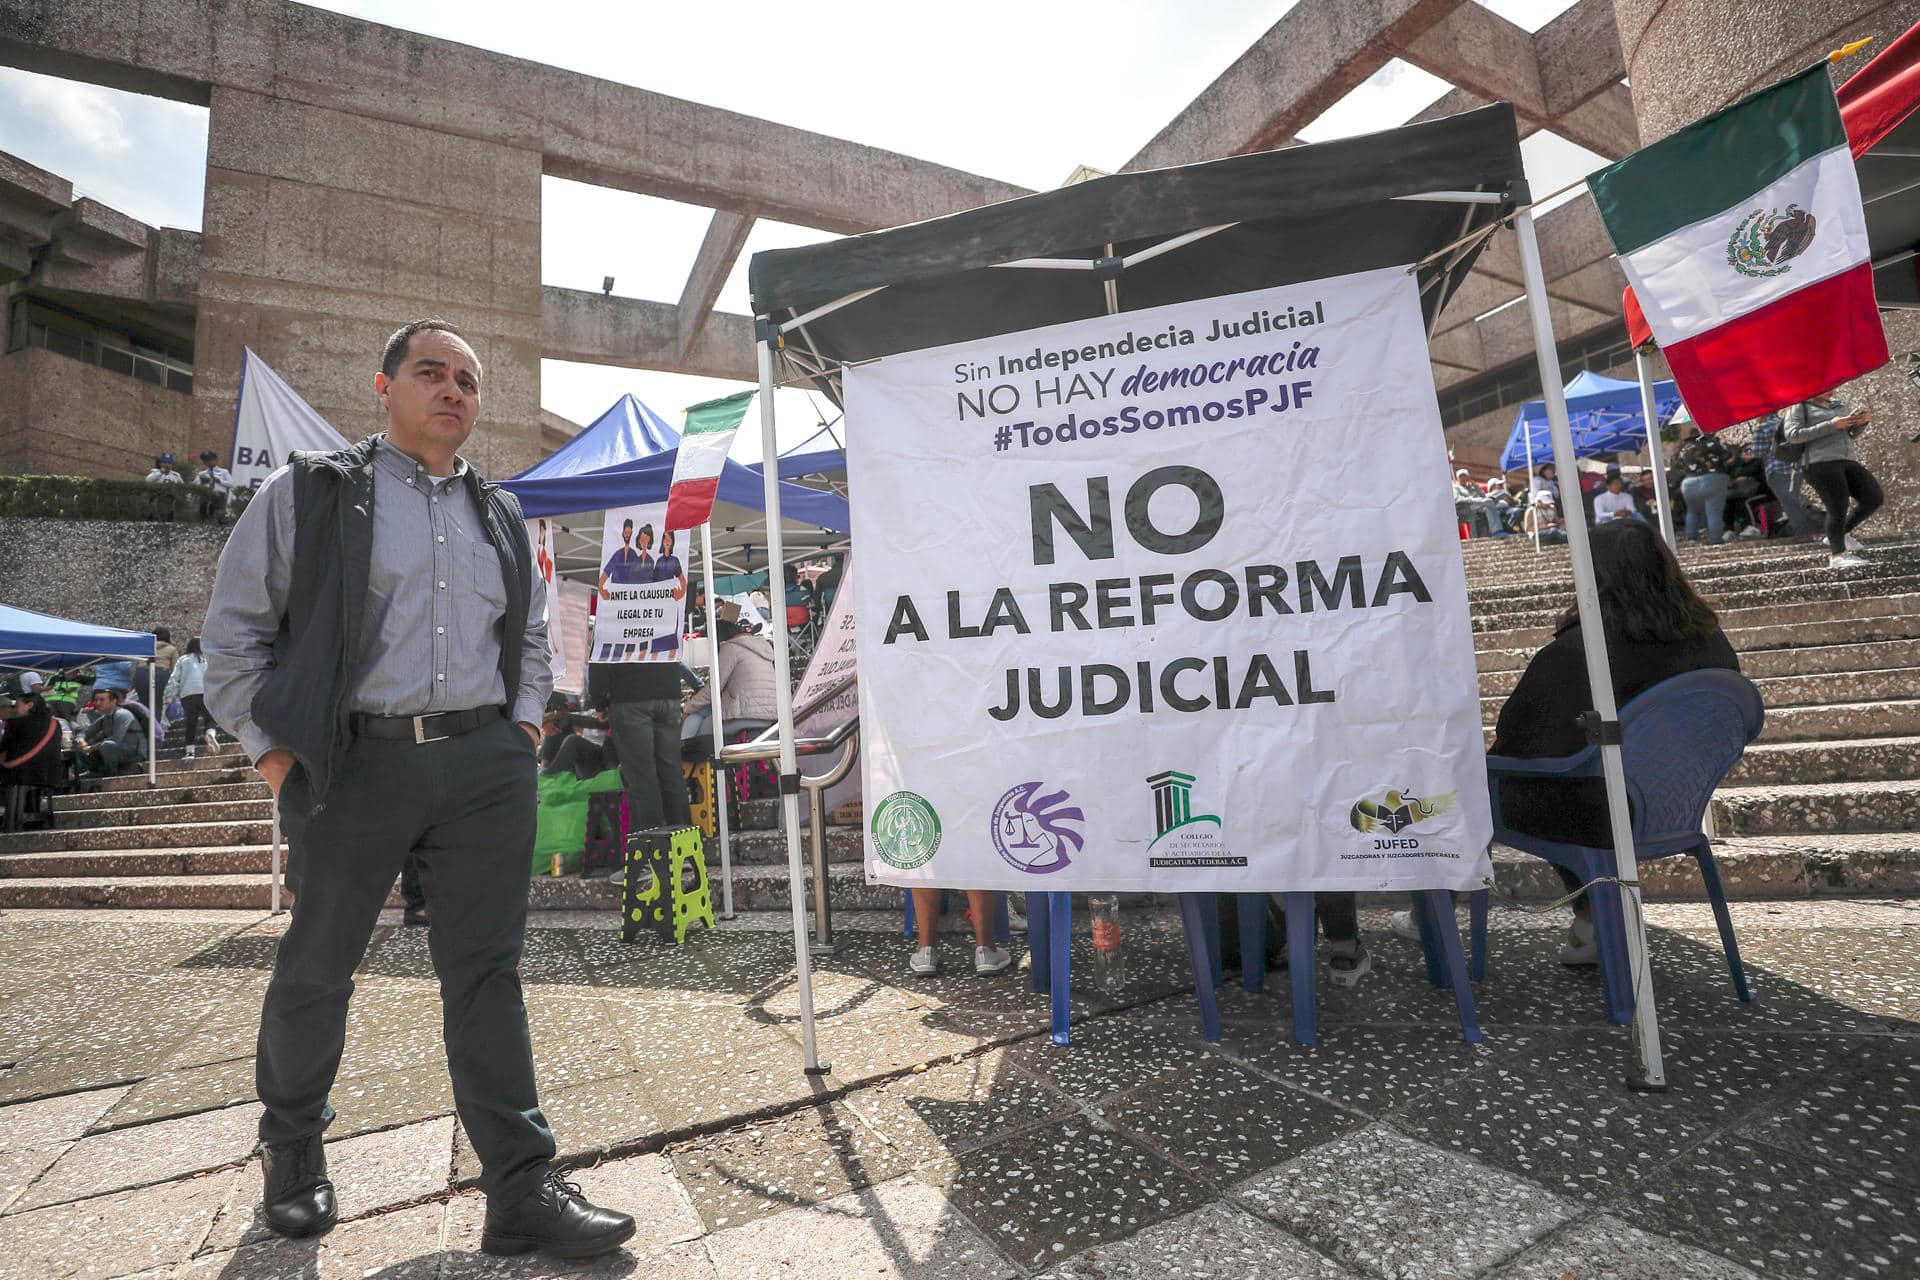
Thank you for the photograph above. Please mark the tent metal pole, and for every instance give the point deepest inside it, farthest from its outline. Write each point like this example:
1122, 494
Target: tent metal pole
826, 308
1650, 1071
783, 699
1655, 454
273, 902
719, 731
153, 729
1456, 197
1528, 434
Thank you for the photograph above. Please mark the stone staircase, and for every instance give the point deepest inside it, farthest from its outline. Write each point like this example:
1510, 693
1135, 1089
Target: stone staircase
1827, 801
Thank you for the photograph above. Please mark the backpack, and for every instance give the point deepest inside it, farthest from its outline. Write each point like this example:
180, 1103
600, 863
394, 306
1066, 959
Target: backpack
1790, 452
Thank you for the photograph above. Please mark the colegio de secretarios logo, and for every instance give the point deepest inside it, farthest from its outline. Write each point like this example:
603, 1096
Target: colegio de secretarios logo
1183, 838
1036, 831
1397, 810
906, 830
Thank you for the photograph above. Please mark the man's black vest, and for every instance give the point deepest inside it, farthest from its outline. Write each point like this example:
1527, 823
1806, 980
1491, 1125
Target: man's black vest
303, 705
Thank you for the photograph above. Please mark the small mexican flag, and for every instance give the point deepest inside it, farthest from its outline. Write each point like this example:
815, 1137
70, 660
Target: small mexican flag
1743, 237
703, 452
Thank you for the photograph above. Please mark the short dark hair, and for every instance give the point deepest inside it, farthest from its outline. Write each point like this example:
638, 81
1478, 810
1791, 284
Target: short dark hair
396, 348
627, 523
161, 633
118, 695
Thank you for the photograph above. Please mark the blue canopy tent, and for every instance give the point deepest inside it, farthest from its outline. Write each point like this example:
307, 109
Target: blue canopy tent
30, 640
1605, 414
820, 454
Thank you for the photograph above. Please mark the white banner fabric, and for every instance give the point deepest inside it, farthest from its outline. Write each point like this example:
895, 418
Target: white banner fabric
642, 586
1170, 600
270, 422
540, 538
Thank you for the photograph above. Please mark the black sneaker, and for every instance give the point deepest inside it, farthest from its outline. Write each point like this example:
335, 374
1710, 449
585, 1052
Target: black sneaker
299, 1198
555, 1219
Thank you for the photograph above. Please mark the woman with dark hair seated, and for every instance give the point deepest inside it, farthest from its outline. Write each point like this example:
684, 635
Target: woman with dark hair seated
1657, 627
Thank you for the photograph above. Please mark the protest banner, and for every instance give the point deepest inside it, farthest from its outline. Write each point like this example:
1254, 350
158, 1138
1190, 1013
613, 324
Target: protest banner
642, 587
540, 537
1168, 600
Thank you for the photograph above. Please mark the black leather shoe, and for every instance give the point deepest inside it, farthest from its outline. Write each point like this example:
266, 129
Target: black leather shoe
557, 1220
414, 917
299, 1198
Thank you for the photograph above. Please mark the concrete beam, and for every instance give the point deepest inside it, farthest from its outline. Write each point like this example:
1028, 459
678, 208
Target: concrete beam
583, 128
1579, 56
726, 237
630, 333
1475, 49
1307, 61
1604, 123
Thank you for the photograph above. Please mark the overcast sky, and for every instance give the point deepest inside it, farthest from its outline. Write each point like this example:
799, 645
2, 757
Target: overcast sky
1012, 89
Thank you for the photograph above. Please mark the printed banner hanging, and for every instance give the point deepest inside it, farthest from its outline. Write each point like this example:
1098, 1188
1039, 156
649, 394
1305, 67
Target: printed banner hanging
1168, 600
540, 538
642, 588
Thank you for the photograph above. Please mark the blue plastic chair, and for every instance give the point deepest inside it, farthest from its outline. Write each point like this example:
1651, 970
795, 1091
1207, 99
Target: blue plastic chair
1051, 914
1678, 740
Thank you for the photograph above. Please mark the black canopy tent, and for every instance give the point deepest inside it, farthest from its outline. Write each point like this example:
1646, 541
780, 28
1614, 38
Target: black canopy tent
1427, 196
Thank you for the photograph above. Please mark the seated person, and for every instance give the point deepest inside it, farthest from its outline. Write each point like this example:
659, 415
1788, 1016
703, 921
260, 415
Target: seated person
114, 739
1502, 503
1543, 519
1657, 626
982, 904
747, 686
562, 749
1615, 503
30, 741
1470, 505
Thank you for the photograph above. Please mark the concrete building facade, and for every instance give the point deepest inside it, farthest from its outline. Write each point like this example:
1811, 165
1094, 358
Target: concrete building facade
358, 175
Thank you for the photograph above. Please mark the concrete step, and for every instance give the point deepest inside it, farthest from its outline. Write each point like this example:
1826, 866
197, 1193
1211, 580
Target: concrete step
1821, 808
1500, 671
1837, 645
1777, 577
1843, 720
210, 792
231, 757
1764, 628
1515, 560
138, 862
1856, 760
155, 814
175, 835
1784, 692
844, 844
211, 776
251, 891
1840, 585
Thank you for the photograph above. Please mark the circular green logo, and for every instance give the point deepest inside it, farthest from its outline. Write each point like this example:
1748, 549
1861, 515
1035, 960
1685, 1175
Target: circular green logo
906, 830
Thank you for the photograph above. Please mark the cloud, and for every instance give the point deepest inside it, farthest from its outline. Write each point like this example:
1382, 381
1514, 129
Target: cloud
86, 115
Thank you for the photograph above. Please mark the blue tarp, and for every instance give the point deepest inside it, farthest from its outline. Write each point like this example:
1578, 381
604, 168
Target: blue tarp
30, 640
1603, 412
818, 455
626, 458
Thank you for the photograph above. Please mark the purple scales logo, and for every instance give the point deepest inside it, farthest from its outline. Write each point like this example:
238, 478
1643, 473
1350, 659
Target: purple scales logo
1036, 832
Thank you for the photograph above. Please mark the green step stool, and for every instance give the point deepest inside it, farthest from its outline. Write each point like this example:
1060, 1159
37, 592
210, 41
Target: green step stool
657, 895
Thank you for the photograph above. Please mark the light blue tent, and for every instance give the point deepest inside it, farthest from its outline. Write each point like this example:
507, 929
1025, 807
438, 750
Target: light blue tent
1604, 413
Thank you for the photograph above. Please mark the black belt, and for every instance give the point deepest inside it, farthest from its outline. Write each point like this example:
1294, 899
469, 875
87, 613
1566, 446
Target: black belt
433, 728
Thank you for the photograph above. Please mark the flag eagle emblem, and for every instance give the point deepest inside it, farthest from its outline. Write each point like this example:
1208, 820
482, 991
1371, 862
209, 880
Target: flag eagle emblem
1765, 242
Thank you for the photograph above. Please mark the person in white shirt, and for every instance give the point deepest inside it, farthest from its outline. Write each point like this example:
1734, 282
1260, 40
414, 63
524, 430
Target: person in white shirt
163, 472
217, 478
1615, 503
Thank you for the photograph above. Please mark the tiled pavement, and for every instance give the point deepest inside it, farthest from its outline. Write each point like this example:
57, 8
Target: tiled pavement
953, 1140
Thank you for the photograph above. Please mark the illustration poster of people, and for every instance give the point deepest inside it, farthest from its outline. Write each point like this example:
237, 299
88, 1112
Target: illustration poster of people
642, 588
540, 536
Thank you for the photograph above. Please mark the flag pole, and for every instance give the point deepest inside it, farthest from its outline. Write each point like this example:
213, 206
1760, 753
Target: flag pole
713, 721
1655, 453
1650, 1071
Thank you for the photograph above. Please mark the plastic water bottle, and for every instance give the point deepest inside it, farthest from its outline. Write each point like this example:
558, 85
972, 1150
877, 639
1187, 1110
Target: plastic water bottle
1109, 966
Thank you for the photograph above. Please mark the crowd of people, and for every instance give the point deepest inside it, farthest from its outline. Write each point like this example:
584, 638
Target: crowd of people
1744, 483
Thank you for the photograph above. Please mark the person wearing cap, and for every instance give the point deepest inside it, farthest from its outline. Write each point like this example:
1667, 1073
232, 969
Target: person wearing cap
1543, 518
1470, 504
1501, 502
163, 472
217, 478
30, 741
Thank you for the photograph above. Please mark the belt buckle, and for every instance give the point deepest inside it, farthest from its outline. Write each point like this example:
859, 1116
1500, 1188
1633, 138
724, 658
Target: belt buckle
420, 730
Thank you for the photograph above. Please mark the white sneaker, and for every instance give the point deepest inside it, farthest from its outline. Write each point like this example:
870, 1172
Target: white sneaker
1346, 968
1580, 947
1405, 926
1016, 919
1751, 531
189, 751
990, 959
1847, 560
1854, 545
213, 738
924, 963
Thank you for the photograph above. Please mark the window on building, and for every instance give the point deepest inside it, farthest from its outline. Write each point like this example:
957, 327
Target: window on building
1519, 382
35, 322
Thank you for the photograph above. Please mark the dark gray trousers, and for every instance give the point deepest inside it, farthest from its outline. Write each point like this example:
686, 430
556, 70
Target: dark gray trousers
465, 808
648, 735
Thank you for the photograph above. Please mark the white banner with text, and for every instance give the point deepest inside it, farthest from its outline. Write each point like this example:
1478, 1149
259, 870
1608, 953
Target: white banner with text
1170, 600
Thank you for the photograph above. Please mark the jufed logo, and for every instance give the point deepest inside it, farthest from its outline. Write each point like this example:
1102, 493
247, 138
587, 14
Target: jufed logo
1396, 811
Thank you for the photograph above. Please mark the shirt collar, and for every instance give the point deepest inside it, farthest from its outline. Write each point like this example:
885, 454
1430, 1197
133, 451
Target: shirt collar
408, 471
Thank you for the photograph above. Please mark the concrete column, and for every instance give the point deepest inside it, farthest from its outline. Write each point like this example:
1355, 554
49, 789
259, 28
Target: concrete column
325, 231
1686, 58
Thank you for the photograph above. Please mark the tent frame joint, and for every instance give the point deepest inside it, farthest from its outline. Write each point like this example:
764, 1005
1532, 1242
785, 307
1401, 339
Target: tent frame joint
1600, 731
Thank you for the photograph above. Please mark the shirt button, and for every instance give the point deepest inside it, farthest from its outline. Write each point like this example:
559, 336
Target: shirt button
443, 586
439, 631
441, 538
441, 676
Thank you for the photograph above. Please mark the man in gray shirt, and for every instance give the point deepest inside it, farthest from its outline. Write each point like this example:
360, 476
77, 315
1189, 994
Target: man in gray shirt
377, 641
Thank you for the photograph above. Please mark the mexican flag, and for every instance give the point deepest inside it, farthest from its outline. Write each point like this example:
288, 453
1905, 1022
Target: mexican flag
1743, 238
703, 452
